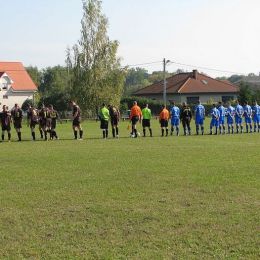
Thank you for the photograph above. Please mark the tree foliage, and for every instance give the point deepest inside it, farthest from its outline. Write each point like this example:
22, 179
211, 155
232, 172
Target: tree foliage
35, 74
53, 86
157, 76
234, 78
245, 93
95, 70
256, 95
136, 78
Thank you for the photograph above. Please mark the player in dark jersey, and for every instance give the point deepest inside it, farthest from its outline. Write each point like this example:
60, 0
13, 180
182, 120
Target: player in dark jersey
32, 119
186, 116
5, 117
17, 115
41, 122
114, 117
54, 116
45, 121
76, 117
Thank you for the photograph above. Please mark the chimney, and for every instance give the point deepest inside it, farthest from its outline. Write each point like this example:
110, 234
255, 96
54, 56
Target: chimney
195, 74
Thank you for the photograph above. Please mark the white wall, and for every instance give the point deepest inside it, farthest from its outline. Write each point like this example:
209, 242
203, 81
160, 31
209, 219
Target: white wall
177, 98
13, 97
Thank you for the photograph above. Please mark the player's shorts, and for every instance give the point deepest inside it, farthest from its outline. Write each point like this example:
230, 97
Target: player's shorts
42, 122
238, 120
146, 123
248, 120
53, 123
175, 121
76, 121
6, 127
114, 121
230, 120
48, 122
164, 123
135, 119
214, 122
199, 121
186, 121
17, 124
33, 123
256, 119
221, 121
104, 124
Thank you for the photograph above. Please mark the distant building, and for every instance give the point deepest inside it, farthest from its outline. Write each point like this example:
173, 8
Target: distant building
15, 84
190, 87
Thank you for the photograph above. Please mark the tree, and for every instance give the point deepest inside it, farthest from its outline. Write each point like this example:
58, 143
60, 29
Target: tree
244, 93
95, 70
136, 78
54, 88
24, 105
234, 78
35, 75
221, 78
157, 76
256, 95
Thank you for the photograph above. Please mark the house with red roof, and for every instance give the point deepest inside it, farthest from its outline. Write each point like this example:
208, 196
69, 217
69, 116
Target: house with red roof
15, 84
190, 87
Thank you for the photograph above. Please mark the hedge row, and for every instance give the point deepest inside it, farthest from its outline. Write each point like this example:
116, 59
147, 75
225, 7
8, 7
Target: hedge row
155, 106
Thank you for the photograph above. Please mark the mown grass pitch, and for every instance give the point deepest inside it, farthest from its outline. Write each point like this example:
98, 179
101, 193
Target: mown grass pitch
193, 197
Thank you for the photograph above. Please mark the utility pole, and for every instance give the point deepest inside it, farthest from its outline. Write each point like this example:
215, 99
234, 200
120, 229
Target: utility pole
164, 80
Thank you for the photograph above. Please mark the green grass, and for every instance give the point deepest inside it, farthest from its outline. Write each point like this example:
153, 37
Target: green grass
193, 197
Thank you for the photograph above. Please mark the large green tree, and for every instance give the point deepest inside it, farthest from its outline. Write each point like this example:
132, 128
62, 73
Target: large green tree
54, 87
95, 69
245, 93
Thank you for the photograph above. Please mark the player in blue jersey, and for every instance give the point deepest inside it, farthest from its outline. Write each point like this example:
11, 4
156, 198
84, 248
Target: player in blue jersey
199, 115
239, 112
248, 116
256, 116
222, 114
230, 118
175, 119
214, 119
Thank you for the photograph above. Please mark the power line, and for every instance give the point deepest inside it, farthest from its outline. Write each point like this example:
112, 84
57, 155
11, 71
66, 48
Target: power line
230, 72
156, 62
147, 63
187, 65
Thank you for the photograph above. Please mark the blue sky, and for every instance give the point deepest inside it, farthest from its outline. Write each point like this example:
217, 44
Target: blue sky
202, 34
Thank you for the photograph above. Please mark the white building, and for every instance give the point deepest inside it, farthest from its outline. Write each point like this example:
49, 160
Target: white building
15, 84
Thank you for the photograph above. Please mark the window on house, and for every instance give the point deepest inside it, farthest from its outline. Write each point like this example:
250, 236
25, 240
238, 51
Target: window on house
192, 100
4, 86
225, 99
204, 82
5, 97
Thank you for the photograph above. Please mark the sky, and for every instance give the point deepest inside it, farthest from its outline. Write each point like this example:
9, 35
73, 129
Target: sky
217, 37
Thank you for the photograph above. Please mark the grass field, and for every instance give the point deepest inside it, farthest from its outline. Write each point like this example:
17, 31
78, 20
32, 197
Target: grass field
186, 197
